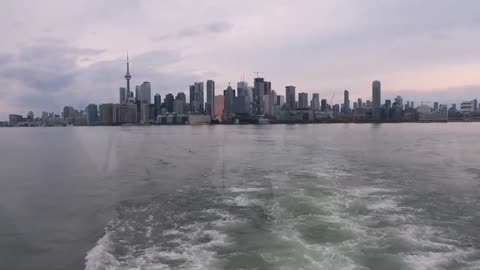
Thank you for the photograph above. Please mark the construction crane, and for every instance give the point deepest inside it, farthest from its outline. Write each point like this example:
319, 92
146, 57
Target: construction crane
331, 100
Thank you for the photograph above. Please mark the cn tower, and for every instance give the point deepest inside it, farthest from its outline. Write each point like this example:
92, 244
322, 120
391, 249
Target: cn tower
128, 77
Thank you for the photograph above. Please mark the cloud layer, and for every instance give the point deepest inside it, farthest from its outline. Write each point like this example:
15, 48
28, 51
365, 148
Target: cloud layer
419, 49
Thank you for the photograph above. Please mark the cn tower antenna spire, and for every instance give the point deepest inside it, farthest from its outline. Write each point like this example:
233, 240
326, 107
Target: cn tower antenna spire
128, 64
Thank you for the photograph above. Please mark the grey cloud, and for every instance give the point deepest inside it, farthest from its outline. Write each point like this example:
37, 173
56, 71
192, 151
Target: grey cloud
157, 58
50, 40
211, 74
219, 27
162, 37
389, 36
211, 28
39, 80
44, 68
411, 16
38, 102
5, 58
17, 23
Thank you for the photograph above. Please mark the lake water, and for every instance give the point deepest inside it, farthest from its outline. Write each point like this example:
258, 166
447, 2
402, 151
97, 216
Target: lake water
339, 196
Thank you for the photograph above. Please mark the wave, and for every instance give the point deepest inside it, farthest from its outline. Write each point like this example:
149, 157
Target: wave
141, 241
307, 221
101, 257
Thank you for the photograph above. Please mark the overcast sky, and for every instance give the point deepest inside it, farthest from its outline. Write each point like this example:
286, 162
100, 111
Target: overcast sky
56, 52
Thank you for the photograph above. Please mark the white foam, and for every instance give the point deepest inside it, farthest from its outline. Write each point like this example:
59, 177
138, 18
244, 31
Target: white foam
170, 255
242, 200
148, 232
332, 173
311, 256
246, 189
172, 232
194, 247
225, 218
439, 260
368, 191
388, 204
425, 237
149, 219
100, 257
308, 255
434, 249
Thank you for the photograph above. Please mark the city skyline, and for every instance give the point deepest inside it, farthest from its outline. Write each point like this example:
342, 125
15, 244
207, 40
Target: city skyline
75, 57
258, 104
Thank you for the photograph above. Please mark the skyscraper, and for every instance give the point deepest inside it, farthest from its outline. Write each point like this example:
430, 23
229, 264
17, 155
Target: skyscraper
388, 103
169, 102
144, 112
210, 105
157, 101
92, 114
145, 93
106, 114
335, 108
435, 106
267, 88
123, 95
181, 96
346, 102
30, 116
280, 100
267, 98
242, 89
475, 105
376, 94
399, 101
137, 92
196, 98
315, 103
228, 94
179, 105
302, 101
359, 102
219, 101
191, 96
323, 106
290, 97
44, 117
257, 102
272, 101
239, 105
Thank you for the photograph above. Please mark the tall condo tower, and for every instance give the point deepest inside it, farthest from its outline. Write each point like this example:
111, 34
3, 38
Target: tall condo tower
376, 94
210, 105
346, 101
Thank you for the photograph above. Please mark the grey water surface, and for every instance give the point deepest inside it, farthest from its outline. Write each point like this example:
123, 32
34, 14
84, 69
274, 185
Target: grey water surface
353, 196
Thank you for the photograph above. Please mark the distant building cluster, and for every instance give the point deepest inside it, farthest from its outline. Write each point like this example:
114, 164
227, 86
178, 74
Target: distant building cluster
244, 104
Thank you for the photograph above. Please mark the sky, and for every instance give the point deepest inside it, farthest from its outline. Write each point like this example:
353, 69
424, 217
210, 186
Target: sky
57, 53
